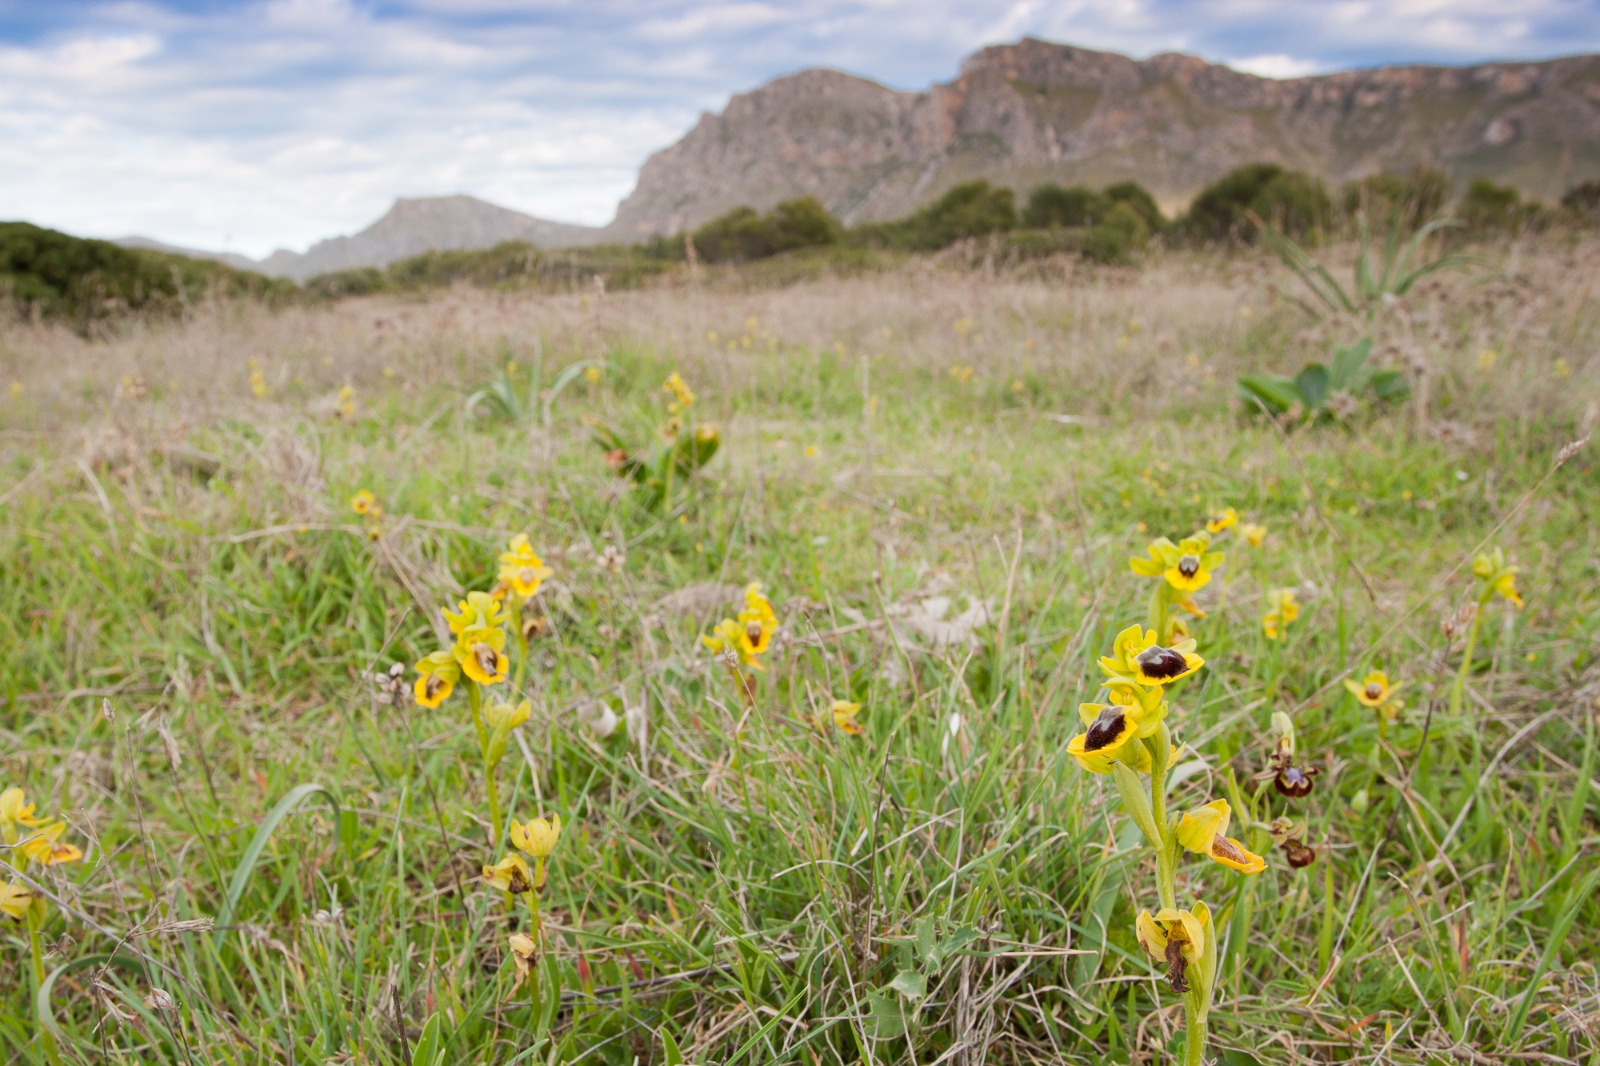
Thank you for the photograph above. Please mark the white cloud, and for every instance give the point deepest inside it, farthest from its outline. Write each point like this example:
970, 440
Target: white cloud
1277, 65
279, 122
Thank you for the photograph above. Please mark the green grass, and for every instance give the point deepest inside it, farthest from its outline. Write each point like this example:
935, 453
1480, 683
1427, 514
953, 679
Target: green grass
770, 894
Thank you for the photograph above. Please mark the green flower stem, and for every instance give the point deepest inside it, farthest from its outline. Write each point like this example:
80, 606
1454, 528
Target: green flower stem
1166, 857
35, 920
475, 701
1195, 1025
1466, 655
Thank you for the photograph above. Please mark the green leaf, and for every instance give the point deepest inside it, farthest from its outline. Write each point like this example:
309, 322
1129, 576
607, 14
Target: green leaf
910, 983
1347, 364
258, 843
887, 1015
927, 941
429, 1050
1390, 386
1136, 802
1276, 394
670, 1054
1312, 385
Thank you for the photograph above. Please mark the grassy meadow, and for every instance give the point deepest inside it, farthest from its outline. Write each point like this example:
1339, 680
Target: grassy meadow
939, 473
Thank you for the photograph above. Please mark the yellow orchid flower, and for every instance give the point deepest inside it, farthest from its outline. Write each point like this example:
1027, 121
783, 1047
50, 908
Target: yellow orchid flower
758, 618
523, 949
1137, 655
1253, 534
730, 635
1186, 565
521, 569
1113, 728
1204, 831
682, 397
510, 874
537, 837
14, 901
363, 502
1282, 608
436, 678
44, 846
1185, 942
478, 609
15, 810
844, 716
1497, 577
1227, 518
1374, 690
481, 653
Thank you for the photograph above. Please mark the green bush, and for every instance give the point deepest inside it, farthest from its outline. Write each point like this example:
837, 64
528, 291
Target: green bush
1415, 199
85, 282
1064, 205
742, 235
971, 210
1116, 238
1488, 207
1297, 204
1584, 201
1139, 199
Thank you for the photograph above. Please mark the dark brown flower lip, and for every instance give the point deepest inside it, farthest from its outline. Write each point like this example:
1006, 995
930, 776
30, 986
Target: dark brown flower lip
1105, 730
1159, 662
1189, 565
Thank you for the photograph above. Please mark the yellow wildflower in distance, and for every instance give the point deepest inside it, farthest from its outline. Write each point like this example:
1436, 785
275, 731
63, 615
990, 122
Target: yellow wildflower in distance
1376, 691
844, 716
682, 396
1496, 576
1114, 728
1227, 518
521, 570
363, 502
729, 636
1137, 655
758, 618
1186, 566
592, 375
436, 678
1204, 831
1282, 608
1185, 942
1253, 534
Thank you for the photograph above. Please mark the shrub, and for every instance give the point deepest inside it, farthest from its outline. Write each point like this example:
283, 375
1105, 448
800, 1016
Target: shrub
1415, 198
1297, 204
1584, 200
1064, 205
1117, 237
971, 210
1139, 199
86, 282
1488, 207
742, 235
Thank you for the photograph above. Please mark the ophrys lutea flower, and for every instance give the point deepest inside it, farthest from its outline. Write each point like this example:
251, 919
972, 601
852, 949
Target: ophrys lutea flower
364, 502
1496, 577
1204, 831
481, 652
1222, 520
1282, 609
436, 678
1114, 730
1186, 565
14, 901
1376, 691
844, 717
682, 397
521, 569
511, 874
1185, 942
537, 836
1138, 655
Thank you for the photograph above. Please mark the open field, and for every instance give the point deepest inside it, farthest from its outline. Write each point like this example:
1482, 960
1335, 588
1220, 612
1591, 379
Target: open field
939, 475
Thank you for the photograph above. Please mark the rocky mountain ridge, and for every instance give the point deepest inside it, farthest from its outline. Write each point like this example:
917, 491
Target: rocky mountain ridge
1025, 113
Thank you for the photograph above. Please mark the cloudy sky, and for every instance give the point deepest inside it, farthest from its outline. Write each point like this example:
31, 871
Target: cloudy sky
256, 124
